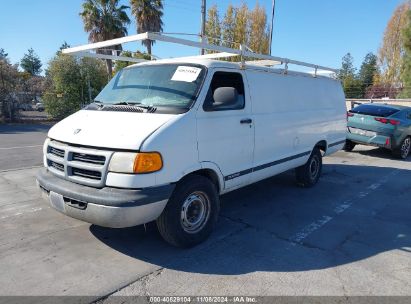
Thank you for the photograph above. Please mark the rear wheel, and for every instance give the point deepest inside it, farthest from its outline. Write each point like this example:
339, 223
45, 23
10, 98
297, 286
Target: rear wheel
191, 212
309, 174
404, 149
349, 146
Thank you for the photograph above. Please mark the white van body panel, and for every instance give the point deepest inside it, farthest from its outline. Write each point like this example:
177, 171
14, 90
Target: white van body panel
113, 130
291, 114
223, 140
177, 143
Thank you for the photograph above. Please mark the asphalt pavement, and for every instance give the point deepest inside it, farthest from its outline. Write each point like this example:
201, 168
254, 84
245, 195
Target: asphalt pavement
349, 235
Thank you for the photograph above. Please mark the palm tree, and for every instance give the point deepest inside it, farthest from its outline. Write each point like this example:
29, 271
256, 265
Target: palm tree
104, 20
148, 15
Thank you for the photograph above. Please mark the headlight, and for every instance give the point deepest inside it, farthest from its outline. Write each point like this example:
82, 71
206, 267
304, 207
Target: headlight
128, 162
45, 146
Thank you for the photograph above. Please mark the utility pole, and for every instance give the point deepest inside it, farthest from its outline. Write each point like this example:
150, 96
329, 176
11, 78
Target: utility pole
271, 27
203, 22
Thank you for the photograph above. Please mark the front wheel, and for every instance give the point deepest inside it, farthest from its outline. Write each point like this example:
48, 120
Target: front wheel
404, 149
309, 174
191, 212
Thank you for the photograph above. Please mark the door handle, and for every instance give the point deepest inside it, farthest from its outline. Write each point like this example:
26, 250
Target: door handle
246, 121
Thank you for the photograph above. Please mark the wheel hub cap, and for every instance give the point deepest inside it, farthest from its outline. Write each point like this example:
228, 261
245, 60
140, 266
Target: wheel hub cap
195, 212
406, 146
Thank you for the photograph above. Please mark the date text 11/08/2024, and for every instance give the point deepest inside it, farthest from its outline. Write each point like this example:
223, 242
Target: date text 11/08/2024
203, 299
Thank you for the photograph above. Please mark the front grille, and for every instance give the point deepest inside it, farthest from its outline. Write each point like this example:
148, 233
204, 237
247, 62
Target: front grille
56, 152
81, 165
86, 173
56, 166
88, 158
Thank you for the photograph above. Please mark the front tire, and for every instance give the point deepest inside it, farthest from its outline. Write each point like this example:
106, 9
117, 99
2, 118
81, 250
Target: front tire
308, 175
404, 149
191, 212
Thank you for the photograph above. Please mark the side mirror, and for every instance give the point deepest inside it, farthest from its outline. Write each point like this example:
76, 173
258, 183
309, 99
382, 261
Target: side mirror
225, 97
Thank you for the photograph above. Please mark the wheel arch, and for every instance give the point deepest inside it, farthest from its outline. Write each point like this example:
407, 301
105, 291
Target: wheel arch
210, 171
322, 145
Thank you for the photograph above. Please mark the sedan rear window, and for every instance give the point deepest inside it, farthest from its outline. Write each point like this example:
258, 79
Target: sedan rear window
374, 110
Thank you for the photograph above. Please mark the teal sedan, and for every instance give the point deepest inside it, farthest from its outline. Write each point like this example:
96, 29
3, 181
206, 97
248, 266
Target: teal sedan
380, 125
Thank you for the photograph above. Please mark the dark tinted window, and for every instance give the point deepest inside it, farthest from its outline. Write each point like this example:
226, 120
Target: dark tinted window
374, 110
226, 79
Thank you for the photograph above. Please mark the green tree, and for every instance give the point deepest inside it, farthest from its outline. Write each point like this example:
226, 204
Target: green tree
347, 74
31, 63
368, 72
93, 78
9, 84
122, 64
392, 50
148, 15
3, 54
347, 67
104, 20
71, 83
64, 45
213, 27
406, 68
241, 26
259, 35
228, 26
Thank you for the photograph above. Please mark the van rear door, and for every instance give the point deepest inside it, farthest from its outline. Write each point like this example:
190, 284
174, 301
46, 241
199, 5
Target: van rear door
226, 132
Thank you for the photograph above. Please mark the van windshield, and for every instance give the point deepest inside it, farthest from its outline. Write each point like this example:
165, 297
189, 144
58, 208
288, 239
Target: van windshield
167, 85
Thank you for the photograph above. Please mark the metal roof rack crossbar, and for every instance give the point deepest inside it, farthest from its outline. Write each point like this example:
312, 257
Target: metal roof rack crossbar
219, 51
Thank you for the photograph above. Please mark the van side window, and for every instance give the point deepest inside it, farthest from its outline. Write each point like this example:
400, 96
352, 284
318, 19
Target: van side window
226, 92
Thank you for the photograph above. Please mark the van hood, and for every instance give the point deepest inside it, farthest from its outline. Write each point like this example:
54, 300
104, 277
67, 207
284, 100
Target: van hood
115, 130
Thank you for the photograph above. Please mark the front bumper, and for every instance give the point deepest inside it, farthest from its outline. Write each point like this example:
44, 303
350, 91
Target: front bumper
107, 207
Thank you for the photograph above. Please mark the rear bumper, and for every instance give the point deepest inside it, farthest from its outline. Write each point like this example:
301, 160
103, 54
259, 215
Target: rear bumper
107, 207
382, 141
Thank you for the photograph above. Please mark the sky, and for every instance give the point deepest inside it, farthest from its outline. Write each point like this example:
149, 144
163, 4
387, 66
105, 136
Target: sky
315, 31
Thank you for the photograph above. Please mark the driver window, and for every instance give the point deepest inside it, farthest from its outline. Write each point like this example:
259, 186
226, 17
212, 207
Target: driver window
225, 80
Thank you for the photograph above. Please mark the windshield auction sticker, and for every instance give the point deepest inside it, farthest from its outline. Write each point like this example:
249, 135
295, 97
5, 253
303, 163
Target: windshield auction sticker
186, 73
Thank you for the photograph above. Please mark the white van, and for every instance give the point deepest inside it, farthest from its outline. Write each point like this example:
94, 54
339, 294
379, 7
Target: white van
165, 139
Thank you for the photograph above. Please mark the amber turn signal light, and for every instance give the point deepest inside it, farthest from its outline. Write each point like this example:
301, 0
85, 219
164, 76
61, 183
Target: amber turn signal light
147, 162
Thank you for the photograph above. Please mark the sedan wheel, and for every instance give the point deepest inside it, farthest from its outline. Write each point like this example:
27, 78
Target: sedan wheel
405, 148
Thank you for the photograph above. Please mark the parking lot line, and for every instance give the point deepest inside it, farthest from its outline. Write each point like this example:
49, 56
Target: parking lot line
21, 147
31, 210
22, 168
317, 224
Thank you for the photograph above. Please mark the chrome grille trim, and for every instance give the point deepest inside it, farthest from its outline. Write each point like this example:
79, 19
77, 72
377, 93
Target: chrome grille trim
86, 166
87, 158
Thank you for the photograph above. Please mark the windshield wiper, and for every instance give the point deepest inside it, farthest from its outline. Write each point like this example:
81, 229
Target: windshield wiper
149, 109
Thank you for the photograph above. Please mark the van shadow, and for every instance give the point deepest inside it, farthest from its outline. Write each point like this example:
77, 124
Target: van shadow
258, 224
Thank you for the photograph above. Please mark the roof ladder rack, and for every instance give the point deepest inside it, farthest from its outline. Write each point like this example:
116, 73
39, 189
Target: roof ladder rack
218, 52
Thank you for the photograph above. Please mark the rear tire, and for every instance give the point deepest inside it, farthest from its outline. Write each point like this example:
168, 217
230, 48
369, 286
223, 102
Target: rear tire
349, 146
404, 149
191, 212
309, 174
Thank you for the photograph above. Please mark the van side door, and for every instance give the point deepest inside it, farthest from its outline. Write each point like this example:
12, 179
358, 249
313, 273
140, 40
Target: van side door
225, 129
